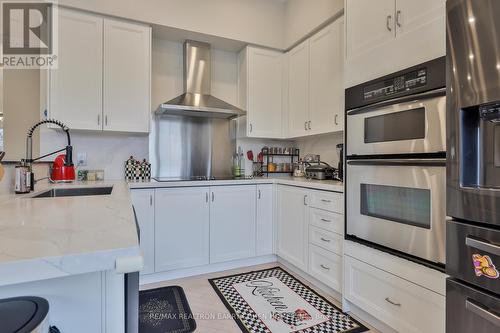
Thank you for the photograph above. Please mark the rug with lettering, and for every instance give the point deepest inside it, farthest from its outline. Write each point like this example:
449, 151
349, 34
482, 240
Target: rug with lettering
273, 301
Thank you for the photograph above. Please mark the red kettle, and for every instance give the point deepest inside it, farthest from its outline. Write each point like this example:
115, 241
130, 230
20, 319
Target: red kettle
62, 172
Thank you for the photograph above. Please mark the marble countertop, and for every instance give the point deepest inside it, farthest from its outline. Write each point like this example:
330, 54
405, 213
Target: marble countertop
325, 185
44, 238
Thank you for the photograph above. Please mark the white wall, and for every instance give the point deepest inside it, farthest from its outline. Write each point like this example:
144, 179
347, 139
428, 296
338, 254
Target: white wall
324, 145
304, 16
258, 22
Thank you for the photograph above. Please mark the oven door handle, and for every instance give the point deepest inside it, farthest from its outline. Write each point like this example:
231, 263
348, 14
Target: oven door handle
483, 245
482, 312
421, 96
440, 162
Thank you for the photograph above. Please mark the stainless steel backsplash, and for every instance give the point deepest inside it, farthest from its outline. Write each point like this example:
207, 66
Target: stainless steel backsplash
193, 146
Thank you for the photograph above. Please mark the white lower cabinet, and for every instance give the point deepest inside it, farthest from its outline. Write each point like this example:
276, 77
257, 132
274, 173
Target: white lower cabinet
292, 225
264, 224
181, 227
325, 266
232, 222
400, 304
143, 201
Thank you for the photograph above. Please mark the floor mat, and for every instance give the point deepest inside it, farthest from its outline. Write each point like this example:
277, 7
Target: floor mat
273, 301
165, 310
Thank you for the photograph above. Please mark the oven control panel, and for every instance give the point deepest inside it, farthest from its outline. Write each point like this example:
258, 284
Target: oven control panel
393, 85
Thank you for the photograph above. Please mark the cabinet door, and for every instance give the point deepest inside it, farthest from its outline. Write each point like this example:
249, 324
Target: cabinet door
182, 228
298, 90
265, 227
292, 225
75, 87
370, 24
326, 102
127, 59
264, 94
421, 30
232, 222
143, 201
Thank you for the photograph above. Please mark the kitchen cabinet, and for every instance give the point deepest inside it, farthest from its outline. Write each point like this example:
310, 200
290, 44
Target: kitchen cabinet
182, 227
75, 87
298, 90
127, 59
315, 83
403, 33
103, 77
326, 79
232, 222
397, 302
260, 91
143, 202
264, 221
292, 225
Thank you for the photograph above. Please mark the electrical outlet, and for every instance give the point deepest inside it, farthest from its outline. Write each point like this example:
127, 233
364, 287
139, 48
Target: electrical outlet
81, 159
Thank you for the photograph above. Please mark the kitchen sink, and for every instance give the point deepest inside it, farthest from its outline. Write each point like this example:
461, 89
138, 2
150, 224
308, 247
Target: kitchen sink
74, 192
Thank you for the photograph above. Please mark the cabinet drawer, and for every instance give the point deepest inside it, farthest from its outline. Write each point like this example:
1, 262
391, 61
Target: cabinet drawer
325, 266
330, 201
326, 220
403, 305
326, 239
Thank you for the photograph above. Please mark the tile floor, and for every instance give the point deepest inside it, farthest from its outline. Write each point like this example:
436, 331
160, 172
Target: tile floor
206, 305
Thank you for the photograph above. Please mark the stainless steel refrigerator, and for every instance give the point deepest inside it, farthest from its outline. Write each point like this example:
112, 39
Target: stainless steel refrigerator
473, 166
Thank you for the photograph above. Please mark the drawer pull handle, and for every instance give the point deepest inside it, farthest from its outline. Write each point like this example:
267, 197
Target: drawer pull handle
482, 312
325, 240
325, 267
325, 200
483, 245
387, 299
325, 220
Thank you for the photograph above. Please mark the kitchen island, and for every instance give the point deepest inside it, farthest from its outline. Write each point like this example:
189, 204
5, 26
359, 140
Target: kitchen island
74, 251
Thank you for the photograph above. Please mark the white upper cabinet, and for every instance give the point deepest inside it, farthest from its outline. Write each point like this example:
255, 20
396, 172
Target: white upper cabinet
370, 24
103, 77
127, 58
326, 88
298, 90
232, 222
402, 33
260, 91
75, 87
316, 83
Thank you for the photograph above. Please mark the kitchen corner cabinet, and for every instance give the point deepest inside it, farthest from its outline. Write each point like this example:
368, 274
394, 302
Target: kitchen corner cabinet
292, 225
264, 222
143, 202
182, 227
260, 91
103, 77
403, 33
315, 83
232, 222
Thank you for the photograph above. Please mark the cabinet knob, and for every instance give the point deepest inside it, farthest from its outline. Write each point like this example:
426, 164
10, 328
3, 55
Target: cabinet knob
305, 200
309, 124
325, 267
305, 125
106, 120
336, 119
259, 194
98, 120
398, 18
251, 128
213, 197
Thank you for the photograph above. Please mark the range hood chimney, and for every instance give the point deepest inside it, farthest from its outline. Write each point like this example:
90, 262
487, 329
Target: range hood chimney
197, 100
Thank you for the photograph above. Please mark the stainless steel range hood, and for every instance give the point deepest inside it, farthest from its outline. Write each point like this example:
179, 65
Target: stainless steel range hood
197, 100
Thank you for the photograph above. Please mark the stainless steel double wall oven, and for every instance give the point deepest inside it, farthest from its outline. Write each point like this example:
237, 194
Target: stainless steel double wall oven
473, 175
395, 163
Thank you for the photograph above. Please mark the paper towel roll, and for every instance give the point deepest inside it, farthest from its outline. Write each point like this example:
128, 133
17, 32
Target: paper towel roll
125, 265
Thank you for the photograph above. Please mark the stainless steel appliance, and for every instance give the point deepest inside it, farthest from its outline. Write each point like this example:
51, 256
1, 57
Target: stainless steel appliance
473, 175
320, 171
395, 163
197, 101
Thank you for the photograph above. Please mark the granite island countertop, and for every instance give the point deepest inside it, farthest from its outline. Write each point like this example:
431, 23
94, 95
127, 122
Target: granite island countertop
43, 238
